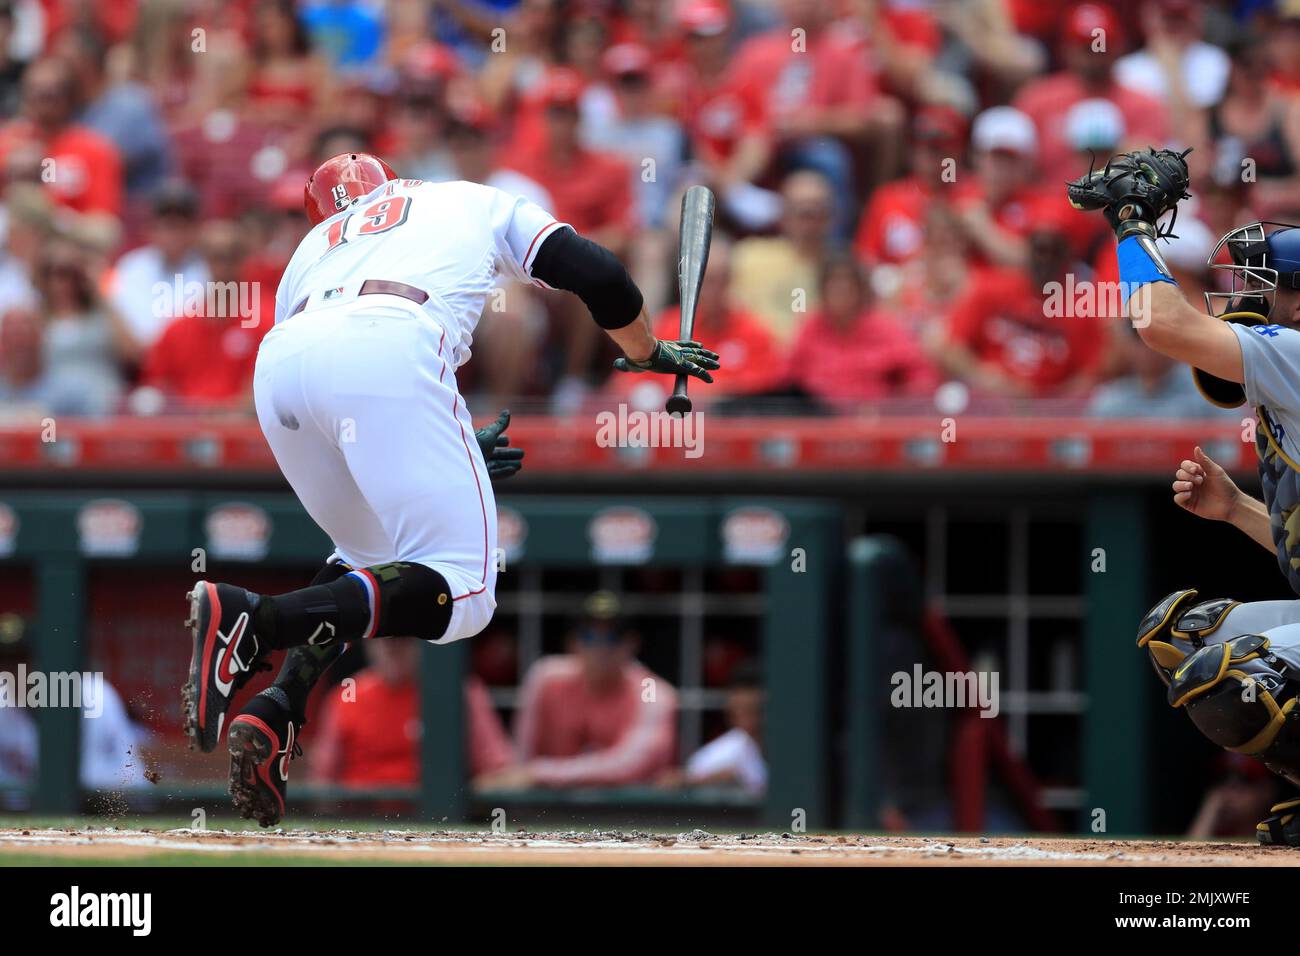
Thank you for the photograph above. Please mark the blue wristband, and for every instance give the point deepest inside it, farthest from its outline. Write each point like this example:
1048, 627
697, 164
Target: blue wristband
1137, 268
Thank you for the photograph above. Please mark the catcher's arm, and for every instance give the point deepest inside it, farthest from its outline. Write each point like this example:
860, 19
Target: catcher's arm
1172, 326
1134, 190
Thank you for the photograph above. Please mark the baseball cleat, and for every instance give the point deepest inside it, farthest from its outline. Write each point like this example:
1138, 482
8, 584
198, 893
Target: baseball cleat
263, 741
224, 657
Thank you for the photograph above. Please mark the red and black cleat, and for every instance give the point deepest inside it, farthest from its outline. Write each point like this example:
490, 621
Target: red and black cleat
225, 654
263, 742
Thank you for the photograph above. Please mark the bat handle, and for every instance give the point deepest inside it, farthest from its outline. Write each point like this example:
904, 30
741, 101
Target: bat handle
679, 403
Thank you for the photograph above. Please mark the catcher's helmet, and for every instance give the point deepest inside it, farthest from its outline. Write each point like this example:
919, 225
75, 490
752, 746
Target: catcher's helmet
340, 181
1261, 257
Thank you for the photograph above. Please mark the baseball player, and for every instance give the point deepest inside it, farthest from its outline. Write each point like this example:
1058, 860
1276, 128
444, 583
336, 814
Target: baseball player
355, 389
1233, 667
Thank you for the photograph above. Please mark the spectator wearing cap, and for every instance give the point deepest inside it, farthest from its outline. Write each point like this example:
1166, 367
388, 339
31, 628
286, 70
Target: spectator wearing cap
635, 130
775, 277
204, 357
81, 168
818, 97
1175, 64
147, 284
995, 215
751, 361
1002, 338
892, 229
725, 122
849, 352
594, 716
1089, 44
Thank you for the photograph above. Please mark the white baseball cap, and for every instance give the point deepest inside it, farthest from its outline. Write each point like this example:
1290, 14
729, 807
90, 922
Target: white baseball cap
1004, 127
1094, 124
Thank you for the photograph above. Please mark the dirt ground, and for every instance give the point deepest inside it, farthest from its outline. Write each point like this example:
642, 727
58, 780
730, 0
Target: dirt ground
606, 848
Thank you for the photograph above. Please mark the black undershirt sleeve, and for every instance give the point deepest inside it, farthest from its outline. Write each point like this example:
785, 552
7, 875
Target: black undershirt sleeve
571, 262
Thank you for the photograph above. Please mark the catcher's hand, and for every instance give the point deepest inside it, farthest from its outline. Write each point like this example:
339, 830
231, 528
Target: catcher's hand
1134, 190
502, 460
674, 358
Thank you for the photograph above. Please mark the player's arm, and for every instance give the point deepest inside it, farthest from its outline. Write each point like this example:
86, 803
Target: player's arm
574, 263
1133, 190
1171, 325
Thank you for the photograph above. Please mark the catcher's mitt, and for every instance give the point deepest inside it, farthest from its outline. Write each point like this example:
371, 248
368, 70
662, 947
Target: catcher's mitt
1134, 190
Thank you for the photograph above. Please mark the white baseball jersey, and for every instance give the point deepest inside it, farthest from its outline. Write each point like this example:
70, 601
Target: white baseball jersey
451, 239
357, 394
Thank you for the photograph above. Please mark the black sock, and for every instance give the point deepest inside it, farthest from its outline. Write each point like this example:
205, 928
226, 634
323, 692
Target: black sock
408, 600
302, 669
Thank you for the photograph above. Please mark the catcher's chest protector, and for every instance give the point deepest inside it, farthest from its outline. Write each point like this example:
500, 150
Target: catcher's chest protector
1281, 481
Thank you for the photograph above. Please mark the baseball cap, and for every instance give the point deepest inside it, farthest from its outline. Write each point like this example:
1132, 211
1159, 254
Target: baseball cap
1087, 17
627, 59
561, 86
704, 17
1004, 128
939, 123
176, 198
1094, 124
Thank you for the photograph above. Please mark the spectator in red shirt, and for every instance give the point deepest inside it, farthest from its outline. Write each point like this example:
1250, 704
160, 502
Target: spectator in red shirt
204, 358
1000, 338
819, 95
751, 361
594, 716
370, 733
892, 230
1090, 41
995, 214
592, 192
591, 189
725, 123
82, 169
849, 353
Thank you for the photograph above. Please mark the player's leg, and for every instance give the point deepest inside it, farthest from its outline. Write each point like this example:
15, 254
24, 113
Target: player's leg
227, 648
1239, 687
264, 736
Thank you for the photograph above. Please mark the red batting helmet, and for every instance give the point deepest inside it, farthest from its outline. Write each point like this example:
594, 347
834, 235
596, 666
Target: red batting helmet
340, 181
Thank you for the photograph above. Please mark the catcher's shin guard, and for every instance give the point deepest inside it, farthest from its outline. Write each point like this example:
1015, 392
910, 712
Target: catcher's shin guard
1243, 698
1282, 825
1175, 628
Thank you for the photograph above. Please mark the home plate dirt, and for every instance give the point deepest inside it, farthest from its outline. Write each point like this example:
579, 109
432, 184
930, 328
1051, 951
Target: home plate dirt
596, 848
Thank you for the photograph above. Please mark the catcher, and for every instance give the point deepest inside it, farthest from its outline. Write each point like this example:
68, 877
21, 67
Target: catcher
1233, 667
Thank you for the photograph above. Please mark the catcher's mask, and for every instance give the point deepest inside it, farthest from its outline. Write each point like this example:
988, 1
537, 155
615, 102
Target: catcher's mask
1259, 258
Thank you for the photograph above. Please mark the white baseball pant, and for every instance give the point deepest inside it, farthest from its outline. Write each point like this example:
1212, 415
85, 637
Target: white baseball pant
359, 404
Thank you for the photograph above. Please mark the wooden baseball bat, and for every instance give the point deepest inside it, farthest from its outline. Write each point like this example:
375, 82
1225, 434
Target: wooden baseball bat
693, 239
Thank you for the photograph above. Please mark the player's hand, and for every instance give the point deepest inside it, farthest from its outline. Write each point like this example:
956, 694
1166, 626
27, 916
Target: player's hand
1202, 487
674, 358
502, 460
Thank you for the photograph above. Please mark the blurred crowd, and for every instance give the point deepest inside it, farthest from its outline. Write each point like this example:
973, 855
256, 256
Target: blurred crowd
891, 222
